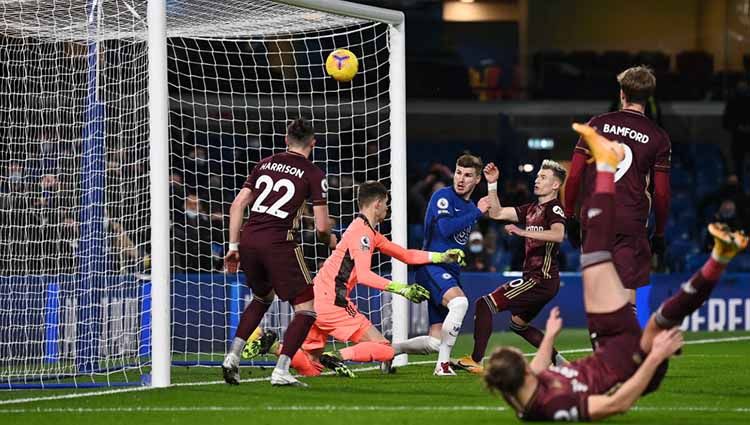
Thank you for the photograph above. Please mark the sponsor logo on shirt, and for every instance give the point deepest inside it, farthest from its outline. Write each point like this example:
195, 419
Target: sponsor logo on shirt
558, 210
462, 237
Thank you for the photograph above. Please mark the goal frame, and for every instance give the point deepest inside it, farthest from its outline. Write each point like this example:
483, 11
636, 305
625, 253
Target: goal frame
159, 175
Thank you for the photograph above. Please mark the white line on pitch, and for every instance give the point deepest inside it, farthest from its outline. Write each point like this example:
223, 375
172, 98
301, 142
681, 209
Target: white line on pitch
191, 409
192, 384
333, 408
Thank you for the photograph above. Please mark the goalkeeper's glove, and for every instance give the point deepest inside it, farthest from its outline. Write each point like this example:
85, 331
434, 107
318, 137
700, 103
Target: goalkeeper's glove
414, 293
453, 255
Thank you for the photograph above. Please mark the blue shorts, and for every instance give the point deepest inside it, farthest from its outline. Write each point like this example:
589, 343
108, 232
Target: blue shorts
438, 281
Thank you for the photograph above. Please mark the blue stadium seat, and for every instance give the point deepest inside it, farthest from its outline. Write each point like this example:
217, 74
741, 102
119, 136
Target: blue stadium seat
741, 264
680, 178
678, 251
695, 261
416, 236
681, 201
573, 260
501, 260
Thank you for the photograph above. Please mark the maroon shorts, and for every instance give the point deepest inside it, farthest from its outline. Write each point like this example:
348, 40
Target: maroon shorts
632, 258
524, 297
279, 266
616, 338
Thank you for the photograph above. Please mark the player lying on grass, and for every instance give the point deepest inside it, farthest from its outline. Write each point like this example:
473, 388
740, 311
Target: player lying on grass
348, 265
626, 363
542, 223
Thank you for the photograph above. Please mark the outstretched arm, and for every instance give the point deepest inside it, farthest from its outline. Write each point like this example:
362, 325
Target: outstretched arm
602, 406
555, 234
543, 357
408, 256
236, 214
497, 211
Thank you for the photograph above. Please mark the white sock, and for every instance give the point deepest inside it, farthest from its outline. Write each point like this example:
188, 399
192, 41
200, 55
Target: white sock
238, 344
282, 364
451, 327
418, 345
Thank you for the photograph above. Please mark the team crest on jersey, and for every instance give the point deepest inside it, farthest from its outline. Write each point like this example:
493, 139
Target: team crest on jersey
442, 203
364, 243
462, 237
558, 210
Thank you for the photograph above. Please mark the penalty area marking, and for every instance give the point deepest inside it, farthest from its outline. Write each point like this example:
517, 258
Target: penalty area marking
363, 369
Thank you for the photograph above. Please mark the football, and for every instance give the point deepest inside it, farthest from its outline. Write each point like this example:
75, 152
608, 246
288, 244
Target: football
342, 65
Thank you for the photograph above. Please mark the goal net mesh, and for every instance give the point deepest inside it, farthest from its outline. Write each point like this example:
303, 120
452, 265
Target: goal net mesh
74, 195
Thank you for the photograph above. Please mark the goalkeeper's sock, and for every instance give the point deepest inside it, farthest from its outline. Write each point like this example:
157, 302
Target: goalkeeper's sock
451, 327
294, 336
482, 328
418, 345
249, 321
368, 351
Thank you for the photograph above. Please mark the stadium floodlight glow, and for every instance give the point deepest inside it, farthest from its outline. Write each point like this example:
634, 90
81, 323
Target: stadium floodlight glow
139, 120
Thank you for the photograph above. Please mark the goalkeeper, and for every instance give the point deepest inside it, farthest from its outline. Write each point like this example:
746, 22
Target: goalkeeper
348, 265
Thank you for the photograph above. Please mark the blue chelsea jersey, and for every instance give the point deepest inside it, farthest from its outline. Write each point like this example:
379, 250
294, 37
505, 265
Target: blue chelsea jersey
448, 222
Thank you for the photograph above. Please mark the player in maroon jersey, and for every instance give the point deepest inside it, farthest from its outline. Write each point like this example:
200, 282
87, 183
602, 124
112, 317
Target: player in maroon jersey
542, 223
273, 263
626, 363
647, 156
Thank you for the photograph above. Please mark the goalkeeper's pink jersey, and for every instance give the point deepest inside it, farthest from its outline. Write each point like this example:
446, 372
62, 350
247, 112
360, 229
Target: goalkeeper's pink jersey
350, 263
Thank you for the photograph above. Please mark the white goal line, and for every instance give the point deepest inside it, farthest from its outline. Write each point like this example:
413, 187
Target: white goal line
362, 369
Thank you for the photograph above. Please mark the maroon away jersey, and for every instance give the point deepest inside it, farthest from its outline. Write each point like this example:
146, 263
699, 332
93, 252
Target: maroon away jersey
280, 184
541, 257
562, 395
647, 149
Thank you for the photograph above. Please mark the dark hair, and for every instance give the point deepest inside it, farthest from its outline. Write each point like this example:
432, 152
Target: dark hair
638, 83
369, 192
506, 371
557, 170
470, 161
300, 132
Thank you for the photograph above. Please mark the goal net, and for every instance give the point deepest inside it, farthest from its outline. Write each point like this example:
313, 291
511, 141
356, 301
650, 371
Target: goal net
75, 203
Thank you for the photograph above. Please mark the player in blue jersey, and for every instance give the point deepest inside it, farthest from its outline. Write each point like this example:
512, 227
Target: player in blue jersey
448, 221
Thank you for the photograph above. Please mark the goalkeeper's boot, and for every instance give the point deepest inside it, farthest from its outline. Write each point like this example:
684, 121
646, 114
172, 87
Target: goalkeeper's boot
231, 369
604, 152
468, 364
260, 346
387, 367
332, 361
727, 243
444, 369
281, 378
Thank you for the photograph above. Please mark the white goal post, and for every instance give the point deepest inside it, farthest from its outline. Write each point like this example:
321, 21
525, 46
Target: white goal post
128, 127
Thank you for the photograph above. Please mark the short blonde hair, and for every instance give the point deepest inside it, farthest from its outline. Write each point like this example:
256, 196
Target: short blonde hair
638, 83
557, 170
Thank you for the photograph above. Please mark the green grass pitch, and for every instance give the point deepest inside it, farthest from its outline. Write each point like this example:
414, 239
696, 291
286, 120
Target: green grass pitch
708, 384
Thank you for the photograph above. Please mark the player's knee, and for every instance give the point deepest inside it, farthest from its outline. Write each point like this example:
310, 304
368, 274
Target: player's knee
265, 298
517, 327
459, 305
